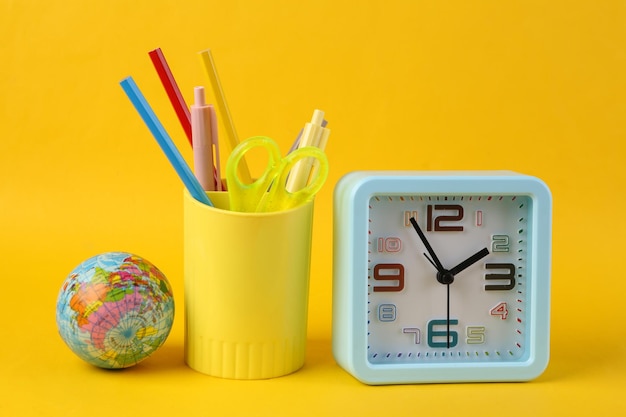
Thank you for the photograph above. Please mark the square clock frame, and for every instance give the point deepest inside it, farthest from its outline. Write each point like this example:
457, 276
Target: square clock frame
441, 276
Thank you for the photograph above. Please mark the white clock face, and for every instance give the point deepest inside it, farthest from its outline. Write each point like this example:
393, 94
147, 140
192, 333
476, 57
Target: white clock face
481, 242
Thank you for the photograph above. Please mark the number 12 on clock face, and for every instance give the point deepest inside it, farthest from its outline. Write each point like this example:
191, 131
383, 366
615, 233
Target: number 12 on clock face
450, 280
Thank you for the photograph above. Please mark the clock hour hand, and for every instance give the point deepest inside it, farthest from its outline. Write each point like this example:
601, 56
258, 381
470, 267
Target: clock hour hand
433, 257
469, 261
430, 260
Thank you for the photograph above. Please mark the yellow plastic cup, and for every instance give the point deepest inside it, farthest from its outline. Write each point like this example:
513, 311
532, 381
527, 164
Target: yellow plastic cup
246, 289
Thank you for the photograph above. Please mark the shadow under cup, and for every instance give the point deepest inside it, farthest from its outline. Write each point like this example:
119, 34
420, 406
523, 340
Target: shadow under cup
246, 289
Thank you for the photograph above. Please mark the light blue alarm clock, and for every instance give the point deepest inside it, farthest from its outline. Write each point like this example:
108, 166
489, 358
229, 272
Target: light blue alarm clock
441, 276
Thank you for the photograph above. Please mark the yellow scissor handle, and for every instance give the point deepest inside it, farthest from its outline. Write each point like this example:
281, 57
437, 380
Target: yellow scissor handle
279, 198
247, 197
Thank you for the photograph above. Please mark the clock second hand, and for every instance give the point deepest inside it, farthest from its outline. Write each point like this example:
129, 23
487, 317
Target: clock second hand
452, 272
448, 314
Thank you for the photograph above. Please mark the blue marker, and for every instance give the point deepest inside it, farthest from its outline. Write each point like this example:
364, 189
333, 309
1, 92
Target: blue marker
164, 140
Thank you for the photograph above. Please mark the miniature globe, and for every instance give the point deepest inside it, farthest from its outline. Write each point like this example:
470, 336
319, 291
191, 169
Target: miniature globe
115, 309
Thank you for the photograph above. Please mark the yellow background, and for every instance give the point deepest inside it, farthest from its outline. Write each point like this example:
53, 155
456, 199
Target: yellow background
532, 86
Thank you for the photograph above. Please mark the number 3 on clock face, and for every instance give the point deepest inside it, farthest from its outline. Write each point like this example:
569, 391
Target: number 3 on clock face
441, 277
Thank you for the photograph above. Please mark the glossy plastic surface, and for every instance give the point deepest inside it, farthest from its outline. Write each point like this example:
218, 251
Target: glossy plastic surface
350, 272
246, 289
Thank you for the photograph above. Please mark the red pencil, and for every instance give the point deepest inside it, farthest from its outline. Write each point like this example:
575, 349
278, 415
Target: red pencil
172, 90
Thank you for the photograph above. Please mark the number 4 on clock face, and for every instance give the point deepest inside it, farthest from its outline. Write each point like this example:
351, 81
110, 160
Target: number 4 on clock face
449, 273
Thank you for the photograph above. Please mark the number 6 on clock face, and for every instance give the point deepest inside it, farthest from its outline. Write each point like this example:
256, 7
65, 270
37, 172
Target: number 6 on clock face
441, 277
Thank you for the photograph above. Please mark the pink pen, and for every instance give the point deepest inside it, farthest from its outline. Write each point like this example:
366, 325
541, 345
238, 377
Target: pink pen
201, 133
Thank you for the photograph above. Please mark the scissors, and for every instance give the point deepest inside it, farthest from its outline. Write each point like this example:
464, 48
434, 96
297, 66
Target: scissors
269, 192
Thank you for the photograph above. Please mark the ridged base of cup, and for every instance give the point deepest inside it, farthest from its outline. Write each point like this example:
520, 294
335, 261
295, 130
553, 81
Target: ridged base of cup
238, 360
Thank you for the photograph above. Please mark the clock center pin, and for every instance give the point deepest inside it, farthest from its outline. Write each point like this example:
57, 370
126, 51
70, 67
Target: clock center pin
445, 277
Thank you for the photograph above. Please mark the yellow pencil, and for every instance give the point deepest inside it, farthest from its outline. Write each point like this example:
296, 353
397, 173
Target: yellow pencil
231, 133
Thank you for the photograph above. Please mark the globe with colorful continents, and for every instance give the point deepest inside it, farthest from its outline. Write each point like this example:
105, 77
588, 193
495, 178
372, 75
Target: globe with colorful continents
115, 309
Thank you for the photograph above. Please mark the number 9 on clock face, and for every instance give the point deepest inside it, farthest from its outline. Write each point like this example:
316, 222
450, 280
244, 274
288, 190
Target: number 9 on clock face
440, 277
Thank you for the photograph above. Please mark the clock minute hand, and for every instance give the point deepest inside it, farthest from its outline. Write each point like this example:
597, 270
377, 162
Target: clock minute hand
469, 261
435, 261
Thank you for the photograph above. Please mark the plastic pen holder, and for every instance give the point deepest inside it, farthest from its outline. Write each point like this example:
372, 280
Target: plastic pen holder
246, 289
